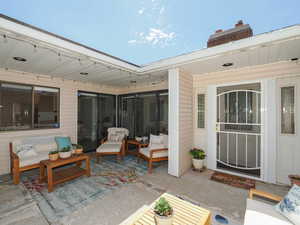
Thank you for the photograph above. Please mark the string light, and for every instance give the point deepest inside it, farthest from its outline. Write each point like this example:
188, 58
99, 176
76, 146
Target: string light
59, 57
4, 38
34, 48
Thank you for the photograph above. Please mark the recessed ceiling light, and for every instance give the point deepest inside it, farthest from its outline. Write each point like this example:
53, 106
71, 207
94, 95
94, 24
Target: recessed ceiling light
227, 64
294, 59
84, 73
20, 59
133, 81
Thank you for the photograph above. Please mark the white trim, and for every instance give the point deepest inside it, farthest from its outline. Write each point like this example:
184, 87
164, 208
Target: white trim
292, 32
173, 125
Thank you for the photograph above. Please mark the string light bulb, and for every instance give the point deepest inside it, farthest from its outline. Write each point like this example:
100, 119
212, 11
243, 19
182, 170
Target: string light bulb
4, 38
34, 48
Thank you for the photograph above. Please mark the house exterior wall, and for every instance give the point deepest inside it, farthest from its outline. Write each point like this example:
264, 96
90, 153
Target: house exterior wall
267, 74
180, 121
68, 109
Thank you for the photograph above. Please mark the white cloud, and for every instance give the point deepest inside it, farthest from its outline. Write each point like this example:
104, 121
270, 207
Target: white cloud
132, 41
162, 10
141, 11
154, 36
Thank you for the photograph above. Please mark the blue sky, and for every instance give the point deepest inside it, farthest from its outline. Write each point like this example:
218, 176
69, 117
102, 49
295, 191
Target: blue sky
149, 30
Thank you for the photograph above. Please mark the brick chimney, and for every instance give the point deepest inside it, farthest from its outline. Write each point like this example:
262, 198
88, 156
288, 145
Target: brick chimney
220, 37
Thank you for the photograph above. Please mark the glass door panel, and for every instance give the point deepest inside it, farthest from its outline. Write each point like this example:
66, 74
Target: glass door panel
87, 120
106, 114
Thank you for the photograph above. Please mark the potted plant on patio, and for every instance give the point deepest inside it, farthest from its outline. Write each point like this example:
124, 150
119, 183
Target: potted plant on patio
65, 153
53, 155
78, 149
163, 212
198, 158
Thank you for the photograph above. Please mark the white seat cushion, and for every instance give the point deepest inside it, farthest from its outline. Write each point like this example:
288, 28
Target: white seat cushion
146, 152
109, 147
26, 161
260, 213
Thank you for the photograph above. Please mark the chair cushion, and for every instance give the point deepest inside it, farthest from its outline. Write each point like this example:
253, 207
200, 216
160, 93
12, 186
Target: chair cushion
46, 147
260, 213
146, 152
25, 150
290, 205
165, 140
156, 139
63, 142
109, 147
29, 160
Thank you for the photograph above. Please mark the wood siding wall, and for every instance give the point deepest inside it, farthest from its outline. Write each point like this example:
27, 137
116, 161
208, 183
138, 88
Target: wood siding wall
68, 109
202, 81
185, 120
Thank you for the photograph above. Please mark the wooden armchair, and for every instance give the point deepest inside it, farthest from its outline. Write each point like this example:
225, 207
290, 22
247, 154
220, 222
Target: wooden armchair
109, 146
153, 155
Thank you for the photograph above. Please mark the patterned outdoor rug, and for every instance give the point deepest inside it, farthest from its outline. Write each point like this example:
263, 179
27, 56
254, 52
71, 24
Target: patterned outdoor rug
232, 180
70, 196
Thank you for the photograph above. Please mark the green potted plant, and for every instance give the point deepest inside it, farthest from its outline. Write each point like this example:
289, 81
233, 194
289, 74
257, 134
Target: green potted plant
198, 158
53, 155
78, 149
163, 212
65, 152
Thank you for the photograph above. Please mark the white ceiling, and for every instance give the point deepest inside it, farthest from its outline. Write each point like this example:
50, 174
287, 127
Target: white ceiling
264, 54
58, 57
59, 63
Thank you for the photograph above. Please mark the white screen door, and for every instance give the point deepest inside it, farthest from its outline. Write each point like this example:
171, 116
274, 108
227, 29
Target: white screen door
238, 129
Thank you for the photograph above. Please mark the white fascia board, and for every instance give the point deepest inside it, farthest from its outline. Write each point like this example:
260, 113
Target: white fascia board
64, 44
165, 64
204, 54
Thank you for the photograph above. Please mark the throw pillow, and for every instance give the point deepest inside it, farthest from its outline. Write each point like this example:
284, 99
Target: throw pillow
63, 142
155, 139
25, 150
290, 205
165, 140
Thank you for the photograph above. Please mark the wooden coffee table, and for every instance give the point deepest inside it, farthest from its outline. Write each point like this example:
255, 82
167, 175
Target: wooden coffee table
185, 213
61, 175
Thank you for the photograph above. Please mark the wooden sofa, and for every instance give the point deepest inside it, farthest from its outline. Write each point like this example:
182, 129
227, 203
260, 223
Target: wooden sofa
42, 145
262, 213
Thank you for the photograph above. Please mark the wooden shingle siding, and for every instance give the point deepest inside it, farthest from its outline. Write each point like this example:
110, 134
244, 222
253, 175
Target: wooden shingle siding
185, 120
68, 109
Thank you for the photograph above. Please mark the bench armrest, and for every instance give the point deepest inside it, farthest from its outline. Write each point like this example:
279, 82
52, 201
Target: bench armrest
103, 140
263, 194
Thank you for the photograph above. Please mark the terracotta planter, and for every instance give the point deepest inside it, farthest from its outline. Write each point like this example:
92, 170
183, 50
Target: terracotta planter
295, 179
78, 151
65, 155
53, 157
198, 164
163, 220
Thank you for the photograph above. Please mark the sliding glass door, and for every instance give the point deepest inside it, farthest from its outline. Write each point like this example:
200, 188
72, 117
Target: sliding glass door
144, 113
96, 113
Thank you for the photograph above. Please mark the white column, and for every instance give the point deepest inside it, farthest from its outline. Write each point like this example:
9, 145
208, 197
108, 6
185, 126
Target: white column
269, 145
173, 166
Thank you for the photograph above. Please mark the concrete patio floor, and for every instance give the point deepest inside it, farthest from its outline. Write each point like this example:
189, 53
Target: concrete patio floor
196, 187
193, 186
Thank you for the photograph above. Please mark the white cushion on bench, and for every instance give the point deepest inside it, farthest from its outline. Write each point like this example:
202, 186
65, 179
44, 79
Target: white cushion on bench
26, 161
146, 152
260, 213
109, 147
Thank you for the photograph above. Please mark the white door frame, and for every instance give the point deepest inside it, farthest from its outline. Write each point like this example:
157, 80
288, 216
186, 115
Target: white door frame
268, 163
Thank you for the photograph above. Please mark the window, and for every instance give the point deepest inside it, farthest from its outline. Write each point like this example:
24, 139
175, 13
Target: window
201, 111
24, 107
45, 107
288, 110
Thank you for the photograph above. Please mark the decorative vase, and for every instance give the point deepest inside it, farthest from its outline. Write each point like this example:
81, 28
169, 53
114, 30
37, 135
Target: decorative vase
295, 179
65, 155
198, 163
78, 150
163, 220
53, 157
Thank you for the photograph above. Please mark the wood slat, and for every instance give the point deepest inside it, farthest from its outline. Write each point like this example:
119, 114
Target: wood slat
185, 213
